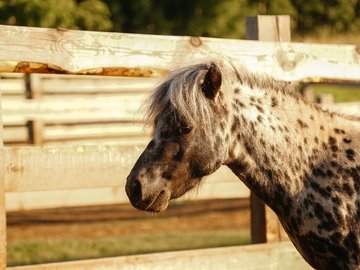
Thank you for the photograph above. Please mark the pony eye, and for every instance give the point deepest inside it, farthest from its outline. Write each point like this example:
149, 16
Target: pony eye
186, 129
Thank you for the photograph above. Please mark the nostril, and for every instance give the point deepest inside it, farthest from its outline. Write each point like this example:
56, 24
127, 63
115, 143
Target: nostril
136, 190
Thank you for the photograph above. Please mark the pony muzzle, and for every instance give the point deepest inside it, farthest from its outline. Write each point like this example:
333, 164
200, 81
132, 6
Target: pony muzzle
145, 196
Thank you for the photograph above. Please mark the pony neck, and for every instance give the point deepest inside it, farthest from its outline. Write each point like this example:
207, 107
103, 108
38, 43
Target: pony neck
278, 139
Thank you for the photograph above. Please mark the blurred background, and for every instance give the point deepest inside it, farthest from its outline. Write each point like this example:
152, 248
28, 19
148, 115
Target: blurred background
336, 21
97, 110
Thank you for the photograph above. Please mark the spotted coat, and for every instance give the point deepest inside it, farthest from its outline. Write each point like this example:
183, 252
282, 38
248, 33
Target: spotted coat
301, 160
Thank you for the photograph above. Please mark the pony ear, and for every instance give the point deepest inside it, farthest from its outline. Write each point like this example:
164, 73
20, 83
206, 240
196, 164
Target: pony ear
212, 82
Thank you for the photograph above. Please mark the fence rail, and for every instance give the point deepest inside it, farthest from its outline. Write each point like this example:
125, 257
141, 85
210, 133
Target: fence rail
279, 256
28, 49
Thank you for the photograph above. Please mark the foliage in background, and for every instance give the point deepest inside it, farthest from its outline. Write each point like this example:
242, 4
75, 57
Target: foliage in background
183, 17
87, 14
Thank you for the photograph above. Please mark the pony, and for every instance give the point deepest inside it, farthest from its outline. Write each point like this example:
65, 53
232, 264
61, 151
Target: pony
301, 160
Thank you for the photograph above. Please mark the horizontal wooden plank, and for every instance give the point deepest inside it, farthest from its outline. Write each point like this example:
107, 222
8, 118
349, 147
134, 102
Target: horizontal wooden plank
9, 75
14, 86
129, 141
70, 84
77, 167
212, 188
64, 198
15, 134
345, 108
93, 131
278, 256
71, 51
74, 109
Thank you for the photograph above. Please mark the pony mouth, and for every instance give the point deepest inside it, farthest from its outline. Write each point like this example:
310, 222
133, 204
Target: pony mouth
158, 204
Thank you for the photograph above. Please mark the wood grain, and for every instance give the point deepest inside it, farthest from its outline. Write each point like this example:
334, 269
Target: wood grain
215, 187
74, 109
279, 256
72, 51
92, 166
3, 254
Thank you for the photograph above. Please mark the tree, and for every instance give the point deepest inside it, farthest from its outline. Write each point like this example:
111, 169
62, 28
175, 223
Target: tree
87, 14
327, 15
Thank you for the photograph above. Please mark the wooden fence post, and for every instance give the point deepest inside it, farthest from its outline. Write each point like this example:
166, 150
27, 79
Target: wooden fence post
33, 91
3, 254
264, 28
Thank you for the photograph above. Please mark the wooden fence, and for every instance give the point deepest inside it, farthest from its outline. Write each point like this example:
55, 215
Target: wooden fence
38, 168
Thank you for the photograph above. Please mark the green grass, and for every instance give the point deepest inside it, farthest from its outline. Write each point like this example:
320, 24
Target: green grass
340, 93
45, 250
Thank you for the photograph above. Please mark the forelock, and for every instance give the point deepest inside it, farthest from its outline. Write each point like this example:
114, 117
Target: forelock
180, 94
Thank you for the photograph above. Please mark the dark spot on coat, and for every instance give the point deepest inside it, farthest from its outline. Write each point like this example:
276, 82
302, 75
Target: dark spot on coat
339, 131
302, 124
346, 140
239, 103
260, 109
274, 102
350, 153
329, 173
348, 189
332, 140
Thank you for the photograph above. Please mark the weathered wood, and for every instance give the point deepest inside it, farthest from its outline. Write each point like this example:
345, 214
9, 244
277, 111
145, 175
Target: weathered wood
346, 107
3, 255
258, 219
15, 134
74, 167
93, 131
307, 93
71, 51
218, 186
35, 132
12, 86
268, 28
74, 109
278, 256
274, 229
77, 84
326, 99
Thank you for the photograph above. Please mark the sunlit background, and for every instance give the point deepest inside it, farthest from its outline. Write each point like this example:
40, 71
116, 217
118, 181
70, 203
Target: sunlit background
87, 110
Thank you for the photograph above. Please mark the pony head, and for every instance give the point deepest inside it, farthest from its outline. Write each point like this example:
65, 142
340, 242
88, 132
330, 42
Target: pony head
189, 140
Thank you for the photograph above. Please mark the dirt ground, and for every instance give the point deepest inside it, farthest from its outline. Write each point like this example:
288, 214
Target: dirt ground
118, 220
